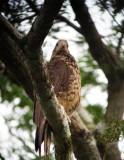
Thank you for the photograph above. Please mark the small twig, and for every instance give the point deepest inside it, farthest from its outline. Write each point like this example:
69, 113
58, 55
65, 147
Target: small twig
110, 14
104, 156
119, 44
62, 18
33, 6
18, 20
10, 131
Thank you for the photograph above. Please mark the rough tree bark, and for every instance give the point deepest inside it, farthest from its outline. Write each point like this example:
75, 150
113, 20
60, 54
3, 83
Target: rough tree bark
83, 139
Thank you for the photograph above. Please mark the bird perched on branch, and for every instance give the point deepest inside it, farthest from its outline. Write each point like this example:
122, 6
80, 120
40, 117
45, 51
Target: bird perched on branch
65, 77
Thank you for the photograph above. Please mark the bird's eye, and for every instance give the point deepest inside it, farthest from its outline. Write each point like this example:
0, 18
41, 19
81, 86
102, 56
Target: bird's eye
57, 44
67, 46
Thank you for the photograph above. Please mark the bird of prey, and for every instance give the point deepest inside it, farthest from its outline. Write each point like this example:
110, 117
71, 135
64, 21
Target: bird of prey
65, 77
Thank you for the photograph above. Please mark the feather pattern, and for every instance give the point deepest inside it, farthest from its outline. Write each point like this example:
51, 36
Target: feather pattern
59, 75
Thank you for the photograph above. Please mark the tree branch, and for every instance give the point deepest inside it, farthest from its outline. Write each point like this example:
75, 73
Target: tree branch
86, 118
33, 6
43, 23
107, 60
84, 145
119, 44
9, 29
113, 17
19, 20
27, 148
11, 55
62, 18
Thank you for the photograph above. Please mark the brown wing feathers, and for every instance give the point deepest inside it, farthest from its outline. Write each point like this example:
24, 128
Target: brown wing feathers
59, 75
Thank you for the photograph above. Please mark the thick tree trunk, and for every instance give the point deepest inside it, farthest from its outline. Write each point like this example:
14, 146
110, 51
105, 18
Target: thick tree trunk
115, 107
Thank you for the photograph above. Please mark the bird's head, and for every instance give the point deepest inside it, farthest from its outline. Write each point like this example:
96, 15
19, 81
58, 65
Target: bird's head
61, 46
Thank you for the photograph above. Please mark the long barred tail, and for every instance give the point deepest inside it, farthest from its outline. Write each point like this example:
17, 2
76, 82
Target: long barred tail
47, 141
43, 134
43, 131
39, 137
